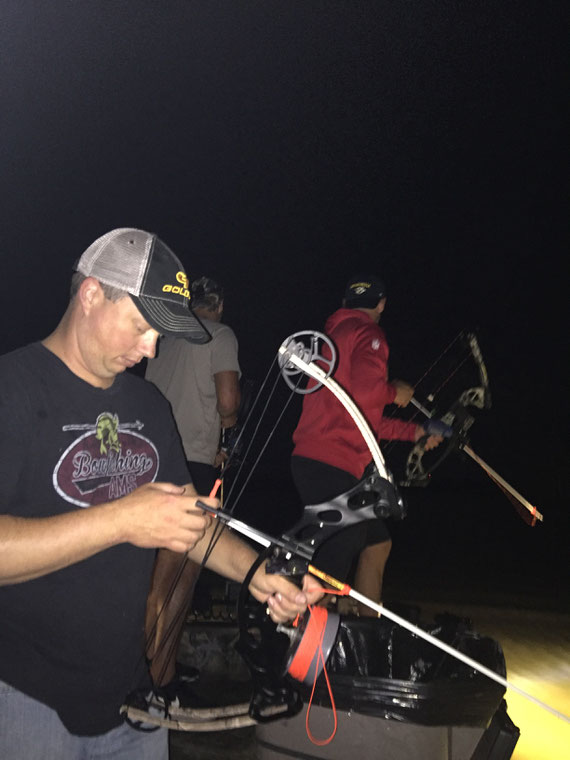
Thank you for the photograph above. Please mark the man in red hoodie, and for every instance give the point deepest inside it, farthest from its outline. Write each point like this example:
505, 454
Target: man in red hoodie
330, 455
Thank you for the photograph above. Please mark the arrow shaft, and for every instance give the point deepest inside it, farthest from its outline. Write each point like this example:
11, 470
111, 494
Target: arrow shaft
488, 469
501, 481
421, 408
381, 610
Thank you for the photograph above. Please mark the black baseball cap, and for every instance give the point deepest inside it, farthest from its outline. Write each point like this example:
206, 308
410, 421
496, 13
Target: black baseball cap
364, 291
139, 263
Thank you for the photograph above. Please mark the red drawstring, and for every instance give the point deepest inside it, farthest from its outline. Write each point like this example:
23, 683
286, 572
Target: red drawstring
311, 643
321, 658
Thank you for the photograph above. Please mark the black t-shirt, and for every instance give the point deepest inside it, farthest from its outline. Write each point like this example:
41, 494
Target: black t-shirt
74, 639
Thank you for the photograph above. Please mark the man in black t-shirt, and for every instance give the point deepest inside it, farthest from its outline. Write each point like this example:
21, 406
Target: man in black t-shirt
92, 481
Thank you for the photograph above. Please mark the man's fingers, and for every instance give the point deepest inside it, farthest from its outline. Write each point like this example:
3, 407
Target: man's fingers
164, 515
282, 609
312, 589
433, 441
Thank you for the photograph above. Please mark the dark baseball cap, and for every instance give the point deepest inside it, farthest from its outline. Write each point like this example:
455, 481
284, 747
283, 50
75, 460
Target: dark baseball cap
364, 291
139, 263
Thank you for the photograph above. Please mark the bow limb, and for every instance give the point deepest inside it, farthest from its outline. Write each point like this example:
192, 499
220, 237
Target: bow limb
479, 396
314, 371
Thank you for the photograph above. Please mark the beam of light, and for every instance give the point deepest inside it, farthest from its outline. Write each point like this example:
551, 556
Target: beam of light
543, 737
537, 654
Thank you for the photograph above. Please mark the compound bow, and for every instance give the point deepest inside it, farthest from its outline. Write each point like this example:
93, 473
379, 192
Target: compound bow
459, 419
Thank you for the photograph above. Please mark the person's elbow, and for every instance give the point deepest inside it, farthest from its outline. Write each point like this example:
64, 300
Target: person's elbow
228, 405
228, 396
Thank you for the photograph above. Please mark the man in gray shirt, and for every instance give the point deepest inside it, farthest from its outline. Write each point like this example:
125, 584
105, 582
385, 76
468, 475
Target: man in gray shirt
202, 384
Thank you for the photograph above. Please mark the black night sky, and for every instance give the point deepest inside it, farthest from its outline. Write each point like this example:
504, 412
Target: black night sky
281, 145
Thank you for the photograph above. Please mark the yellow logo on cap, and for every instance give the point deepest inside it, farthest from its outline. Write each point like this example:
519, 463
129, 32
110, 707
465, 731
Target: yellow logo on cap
360, 287
176, 289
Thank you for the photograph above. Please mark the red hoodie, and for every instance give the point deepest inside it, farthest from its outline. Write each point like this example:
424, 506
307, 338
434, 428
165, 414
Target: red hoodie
326, 431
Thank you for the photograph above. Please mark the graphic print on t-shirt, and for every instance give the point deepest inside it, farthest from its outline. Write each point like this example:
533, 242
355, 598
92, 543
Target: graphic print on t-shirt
108, 460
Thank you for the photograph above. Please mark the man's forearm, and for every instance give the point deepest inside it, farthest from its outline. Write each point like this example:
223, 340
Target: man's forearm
393, 429
230, 557
32, 547
156, 515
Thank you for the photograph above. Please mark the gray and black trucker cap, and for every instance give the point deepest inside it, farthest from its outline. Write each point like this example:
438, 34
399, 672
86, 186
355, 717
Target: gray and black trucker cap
139, 263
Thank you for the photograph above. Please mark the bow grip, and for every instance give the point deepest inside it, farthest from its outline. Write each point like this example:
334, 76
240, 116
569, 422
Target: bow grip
437, 427
289, 566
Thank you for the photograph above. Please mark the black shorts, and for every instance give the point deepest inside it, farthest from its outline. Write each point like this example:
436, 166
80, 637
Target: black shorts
317, 482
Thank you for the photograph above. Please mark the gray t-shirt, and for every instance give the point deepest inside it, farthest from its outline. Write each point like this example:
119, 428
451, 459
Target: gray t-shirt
184, 373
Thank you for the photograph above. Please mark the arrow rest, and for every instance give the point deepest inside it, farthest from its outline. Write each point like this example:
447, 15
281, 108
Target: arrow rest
307, 345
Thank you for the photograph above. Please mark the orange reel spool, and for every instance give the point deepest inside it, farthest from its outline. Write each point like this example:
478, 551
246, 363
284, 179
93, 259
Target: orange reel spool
311, 644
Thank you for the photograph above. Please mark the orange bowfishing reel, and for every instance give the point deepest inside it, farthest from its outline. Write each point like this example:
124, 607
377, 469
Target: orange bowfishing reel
312, 641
